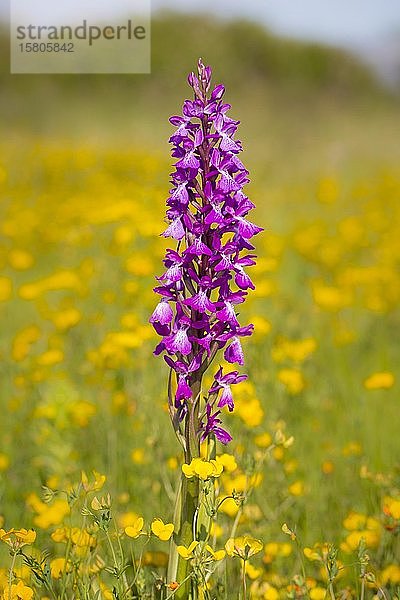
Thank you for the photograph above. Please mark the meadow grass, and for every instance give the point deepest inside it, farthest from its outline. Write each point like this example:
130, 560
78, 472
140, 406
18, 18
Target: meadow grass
81, 211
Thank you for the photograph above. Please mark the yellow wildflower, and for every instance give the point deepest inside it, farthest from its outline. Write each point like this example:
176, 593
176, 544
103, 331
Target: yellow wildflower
203, 469
81, 538
187, 552
227, 461
327, 467
391, 506
354, 538
19, 591
270, 592
17, 538
25, 536
382, 380
391, 574
295, 350
172, 463
216, 554
96, 485
102, 504
123, 235
135, 529
317, 593
127, 518
50, 357
292, 379
262, 327
352, 449
4, 462
275, 549
65, 319
162, 530
48, 514
58, 281
330, 298
288, 531
297, 488
253, 572
81, 412
244, 546
20, 260
354, 521
249, 410
263, 440
58, 566
311, 554
216, 530
23, 341
138, 456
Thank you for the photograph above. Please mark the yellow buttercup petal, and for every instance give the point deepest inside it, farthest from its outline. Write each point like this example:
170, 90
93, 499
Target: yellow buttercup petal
186, 552
162, 530
187, 470
135, 530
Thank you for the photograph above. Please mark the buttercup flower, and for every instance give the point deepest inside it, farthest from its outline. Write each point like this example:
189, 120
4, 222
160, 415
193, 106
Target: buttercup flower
135, 529
187, 553
244, 546
162, 530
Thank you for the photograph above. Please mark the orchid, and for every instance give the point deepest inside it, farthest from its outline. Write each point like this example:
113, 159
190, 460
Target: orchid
205, 277
204, 281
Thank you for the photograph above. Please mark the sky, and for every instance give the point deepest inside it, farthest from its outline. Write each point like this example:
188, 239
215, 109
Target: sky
341, 22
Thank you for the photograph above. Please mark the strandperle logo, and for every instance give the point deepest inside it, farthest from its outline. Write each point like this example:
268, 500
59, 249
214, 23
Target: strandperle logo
85, 31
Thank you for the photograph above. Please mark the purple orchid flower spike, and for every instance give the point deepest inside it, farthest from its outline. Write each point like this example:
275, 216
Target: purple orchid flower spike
211, 426
206, 274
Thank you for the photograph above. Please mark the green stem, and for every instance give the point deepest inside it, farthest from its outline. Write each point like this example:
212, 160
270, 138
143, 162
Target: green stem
362, 589
244, 589
331, 592
11, 573
116, 564
187, 500
190, 494
127, 590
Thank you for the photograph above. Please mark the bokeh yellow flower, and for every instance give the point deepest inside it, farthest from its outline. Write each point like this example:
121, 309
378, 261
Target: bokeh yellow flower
382, 380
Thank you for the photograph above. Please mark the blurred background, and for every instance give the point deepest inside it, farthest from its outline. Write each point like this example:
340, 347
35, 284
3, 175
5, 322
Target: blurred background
344, 55
84, 170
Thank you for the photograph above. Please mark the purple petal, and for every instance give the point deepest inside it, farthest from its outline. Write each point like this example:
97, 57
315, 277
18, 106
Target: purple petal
227, 182
162, 313
247, 229
226, 398
161, 329
243, 280
189, 161
228, 315
222, 435
172, 274
234, 352
180, 193
183, 390
180, 343
218, 92
175, 230
201, 302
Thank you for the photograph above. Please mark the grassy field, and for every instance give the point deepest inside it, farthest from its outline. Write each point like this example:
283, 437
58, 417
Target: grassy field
84, 167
